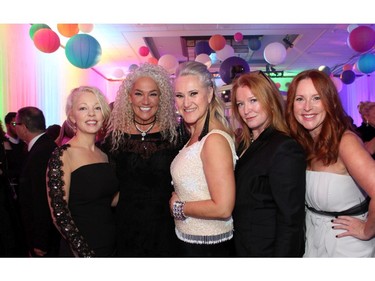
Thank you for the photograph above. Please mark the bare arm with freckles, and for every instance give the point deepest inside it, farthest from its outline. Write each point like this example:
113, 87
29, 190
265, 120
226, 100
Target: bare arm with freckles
218, 168
361, 167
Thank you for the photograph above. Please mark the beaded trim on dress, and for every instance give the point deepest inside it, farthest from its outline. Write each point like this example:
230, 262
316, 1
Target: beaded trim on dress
204, 239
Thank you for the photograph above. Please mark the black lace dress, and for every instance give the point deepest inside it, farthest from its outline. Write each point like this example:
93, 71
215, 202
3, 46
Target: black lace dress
88, 222
145, 225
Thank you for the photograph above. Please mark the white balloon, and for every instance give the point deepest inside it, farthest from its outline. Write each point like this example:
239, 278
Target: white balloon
274, 53
205, 59
118, 73
169, 62
225, 53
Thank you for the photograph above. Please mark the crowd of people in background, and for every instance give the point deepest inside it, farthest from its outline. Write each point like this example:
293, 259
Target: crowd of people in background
162, 172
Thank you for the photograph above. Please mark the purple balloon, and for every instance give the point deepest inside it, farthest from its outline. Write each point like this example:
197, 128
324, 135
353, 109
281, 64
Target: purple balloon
232, 67
347, 76
254, 44
202, 47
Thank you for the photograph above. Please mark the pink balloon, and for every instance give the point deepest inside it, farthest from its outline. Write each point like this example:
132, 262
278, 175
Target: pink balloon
46, 40
143, 51
86, 28
362, 38
238, 37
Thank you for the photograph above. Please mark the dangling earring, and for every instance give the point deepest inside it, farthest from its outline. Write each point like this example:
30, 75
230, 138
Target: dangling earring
366, 123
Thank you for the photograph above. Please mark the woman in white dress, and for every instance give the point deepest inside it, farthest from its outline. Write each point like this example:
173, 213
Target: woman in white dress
340, 180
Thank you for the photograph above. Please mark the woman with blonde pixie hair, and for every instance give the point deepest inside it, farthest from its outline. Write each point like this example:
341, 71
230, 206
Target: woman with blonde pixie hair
340, 176
82, 186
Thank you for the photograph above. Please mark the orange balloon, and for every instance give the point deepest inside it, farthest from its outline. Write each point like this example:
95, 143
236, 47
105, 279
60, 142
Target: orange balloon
153, 60
217, 42
68, 30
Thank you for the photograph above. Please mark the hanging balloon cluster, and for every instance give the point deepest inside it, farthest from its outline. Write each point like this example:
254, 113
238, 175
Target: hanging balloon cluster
231, 65
360, 39
82, 50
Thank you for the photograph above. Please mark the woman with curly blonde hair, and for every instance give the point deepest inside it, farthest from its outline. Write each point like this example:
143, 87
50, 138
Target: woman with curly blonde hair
142, 142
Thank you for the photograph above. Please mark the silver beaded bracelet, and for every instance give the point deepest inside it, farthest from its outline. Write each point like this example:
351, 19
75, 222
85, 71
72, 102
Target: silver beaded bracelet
178, 210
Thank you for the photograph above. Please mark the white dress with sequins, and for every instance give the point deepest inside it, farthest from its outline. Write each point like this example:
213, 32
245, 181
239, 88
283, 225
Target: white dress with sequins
331, 192
190, 185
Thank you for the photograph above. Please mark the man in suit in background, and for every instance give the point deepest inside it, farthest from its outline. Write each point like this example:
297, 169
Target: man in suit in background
41, 235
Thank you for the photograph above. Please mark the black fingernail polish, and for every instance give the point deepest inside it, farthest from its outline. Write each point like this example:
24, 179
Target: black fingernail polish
331, 220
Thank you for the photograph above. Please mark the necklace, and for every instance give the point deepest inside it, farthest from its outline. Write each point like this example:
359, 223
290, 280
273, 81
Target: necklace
251, 137
144, 133
135, 121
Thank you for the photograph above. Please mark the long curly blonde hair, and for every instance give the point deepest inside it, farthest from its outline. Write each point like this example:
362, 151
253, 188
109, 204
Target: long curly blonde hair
122, 116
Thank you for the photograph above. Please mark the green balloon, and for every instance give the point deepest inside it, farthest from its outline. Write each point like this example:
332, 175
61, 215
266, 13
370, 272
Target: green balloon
35, 27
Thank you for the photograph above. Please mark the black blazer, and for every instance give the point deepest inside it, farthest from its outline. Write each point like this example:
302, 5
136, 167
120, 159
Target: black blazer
269, 212
36, 217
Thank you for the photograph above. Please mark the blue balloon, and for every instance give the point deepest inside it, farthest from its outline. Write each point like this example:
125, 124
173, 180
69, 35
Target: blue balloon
202, 47
232, 67
254, 44
347, 76
83, 51
366, 63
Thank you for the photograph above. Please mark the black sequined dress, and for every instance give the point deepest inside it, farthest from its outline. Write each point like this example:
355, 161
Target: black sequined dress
145, 225
88, 222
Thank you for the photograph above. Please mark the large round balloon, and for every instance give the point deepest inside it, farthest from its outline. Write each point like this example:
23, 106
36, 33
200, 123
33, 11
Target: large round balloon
274, 53
169, 62
46, 40
205, 59
144, 51
347, 67
83, 51
152, 60
254, 44
362, 38
238, 37
217, 42
86, 28
202, 47
231, 67
68, 30
366, 63
35, 27
225, 53
347, 76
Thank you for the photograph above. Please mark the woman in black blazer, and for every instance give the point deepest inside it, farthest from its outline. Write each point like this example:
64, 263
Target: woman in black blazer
269, 210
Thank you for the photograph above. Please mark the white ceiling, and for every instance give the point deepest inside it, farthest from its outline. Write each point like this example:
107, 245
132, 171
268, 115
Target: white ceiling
315, 44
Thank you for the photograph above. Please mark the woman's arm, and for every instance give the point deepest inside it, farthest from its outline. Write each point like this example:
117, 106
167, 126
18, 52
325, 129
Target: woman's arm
361, 167
58, 183
218, 168
287, 179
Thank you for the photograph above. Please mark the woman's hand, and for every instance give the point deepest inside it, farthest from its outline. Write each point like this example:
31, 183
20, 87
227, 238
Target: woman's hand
353, 226
173, 199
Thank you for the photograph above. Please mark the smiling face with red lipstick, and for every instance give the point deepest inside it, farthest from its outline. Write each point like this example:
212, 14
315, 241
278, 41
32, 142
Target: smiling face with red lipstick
308, 108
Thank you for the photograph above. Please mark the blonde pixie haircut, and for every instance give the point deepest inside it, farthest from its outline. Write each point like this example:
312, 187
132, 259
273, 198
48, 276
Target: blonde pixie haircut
106, 111
122, 116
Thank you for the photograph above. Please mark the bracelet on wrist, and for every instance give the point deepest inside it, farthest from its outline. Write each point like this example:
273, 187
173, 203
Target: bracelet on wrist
178, 210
